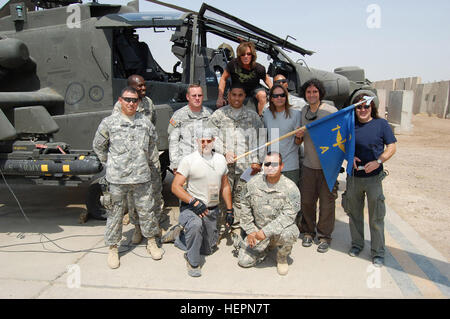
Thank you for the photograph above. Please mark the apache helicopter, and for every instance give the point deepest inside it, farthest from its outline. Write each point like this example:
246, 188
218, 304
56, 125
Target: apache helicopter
63, 64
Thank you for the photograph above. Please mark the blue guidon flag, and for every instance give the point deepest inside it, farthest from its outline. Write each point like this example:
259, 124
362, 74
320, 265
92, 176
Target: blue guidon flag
334, 140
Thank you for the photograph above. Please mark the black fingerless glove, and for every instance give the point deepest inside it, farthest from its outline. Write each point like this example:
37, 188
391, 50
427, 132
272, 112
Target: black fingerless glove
200, 208
229, 217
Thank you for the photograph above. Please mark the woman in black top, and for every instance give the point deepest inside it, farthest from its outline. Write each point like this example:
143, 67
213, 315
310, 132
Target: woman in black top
247, 72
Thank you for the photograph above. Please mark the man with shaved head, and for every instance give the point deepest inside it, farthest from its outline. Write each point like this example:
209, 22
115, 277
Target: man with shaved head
147, 108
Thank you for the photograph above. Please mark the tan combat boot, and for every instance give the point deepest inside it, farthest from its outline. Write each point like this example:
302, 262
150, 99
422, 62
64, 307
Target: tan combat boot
126, 219
137, 236
282, 265
153, 249
113, 257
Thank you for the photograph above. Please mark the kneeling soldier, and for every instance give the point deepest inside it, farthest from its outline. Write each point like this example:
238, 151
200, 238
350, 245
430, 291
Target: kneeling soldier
124, 142
270, 203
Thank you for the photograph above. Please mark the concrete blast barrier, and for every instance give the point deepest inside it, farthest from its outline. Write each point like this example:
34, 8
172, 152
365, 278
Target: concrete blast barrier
400, 110
382, 93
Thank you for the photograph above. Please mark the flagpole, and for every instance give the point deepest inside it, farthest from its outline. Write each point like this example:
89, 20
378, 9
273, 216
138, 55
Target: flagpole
367, 99
271, 142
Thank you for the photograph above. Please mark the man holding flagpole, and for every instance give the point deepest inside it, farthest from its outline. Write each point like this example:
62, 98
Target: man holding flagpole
313, 185
372, 134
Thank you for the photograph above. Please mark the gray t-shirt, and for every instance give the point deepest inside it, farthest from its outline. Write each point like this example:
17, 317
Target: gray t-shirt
204, 176
311, 159
279, 126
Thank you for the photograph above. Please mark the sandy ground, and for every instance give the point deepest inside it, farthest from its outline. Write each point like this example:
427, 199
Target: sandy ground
418, 185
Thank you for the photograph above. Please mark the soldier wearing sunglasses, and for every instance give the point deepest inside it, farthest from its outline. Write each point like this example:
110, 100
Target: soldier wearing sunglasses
124, 143
146, 107
313, 185
270, 203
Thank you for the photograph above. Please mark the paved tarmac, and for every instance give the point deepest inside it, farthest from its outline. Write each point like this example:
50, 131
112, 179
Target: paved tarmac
73, 264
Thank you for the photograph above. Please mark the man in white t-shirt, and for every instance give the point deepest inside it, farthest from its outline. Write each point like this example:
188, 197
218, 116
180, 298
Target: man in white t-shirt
205, 174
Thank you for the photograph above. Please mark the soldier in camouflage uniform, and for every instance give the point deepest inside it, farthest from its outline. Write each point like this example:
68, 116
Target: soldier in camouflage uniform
184, 123
270, 203
147, 108
238, 130
124, 143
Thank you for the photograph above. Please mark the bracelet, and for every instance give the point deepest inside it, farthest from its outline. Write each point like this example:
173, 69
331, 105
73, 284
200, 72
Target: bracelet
230, 210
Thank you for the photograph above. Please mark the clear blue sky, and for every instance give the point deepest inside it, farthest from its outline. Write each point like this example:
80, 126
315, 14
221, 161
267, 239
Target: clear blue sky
412, 38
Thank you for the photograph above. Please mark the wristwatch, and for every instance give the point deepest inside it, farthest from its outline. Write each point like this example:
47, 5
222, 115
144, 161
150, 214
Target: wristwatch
379, 161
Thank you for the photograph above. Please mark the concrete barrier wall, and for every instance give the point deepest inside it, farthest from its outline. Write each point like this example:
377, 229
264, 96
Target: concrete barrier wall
431, 98
382, 98
400, 109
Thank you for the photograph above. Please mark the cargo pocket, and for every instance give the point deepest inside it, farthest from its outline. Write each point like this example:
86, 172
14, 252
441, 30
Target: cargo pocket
381, 207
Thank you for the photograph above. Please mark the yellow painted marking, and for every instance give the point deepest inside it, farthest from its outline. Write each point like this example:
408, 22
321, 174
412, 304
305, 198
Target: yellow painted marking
339, 141
336, 128
44, 168
420, 279
324, 148
66, 168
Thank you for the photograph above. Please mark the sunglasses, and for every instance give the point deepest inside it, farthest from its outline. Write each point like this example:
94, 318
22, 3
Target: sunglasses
206, 141
278, 95
247, 54
130, 99
273, 164
365, 106
280, 81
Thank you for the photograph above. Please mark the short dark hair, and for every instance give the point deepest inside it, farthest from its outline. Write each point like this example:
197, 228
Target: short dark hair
128, 89
237, 86
318, 84
276, 153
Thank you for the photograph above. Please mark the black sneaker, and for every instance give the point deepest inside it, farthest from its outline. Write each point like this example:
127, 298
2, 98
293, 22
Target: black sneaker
323, 247
378, 261
354, 251
307, 241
